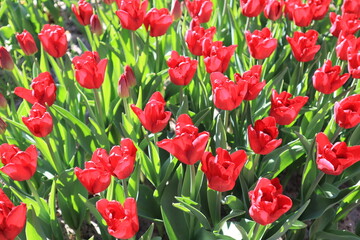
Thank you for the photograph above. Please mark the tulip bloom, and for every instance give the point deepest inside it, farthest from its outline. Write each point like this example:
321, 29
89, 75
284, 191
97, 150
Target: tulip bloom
131, 13
181, 69
40, 122
347, 111
354, 62
273, 9
200, 9
351, 6
158, 20
53, 39
262, 137
347, 24
90, 70
327, 79
27, 43
122, 159
95, 25
303, 45
333, 159
344, 43
188, 145
13, 218
196, 35
43, 90
319, 8
18, 165
289, 8
6, 61
284, 109
153, 118
252, 77
261, 44
252, 8
122, 220
227, 94
83, 12
216, 56
126, 81
302, 14
267, 201
222, 170
176, 9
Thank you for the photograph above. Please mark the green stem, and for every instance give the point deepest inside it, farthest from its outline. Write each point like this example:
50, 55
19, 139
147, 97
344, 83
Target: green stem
157, 69
181, 93
98, 107
125, 187
258, 231
55, 161
33, 191
218, 207
134, 46
90, 38
336, 134
314, 185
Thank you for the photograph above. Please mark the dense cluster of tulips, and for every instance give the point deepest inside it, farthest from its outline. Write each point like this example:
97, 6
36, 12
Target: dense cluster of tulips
271, 151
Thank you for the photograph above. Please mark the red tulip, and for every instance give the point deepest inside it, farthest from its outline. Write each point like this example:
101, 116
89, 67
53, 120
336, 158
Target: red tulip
347, 24
83, 12
158, 20
343, 44
200, 9
53, 39
261, 44
302, 14
267, 201
89, 69
351, 6
126, 81
122, 220
122, 159
273, 9
6, 61
131, 13
96, 176
18, 165
43, 90
353, 62
320, 8
252, 77
95, 25
289, 8
216, 56
284, 109
252, 8
176, 9
303, 45
262, 137
153, 118
222, 170
196, 35
227, 94
347, 111
181, 69
27, 43
188, 145
13, 218
327, 79
334, 159
40, 122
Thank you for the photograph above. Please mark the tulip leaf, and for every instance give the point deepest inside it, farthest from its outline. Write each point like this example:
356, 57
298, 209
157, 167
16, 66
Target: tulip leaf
148, 234
190, 206
232, 214
337, 234
33, 228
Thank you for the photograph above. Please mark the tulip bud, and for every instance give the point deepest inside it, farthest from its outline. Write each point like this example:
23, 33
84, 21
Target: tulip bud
95, 25
130, 76
176, 9
6, 61
3, 126
3, 102
123, 87
27, 43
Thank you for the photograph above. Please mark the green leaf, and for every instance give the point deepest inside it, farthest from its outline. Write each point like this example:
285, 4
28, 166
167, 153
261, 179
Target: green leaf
232, 214
148, 234
337, 234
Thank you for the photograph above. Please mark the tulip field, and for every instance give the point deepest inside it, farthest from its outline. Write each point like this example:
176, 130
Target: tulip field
180, 119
